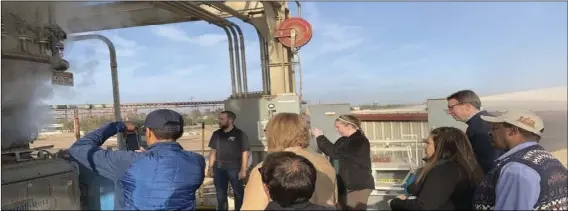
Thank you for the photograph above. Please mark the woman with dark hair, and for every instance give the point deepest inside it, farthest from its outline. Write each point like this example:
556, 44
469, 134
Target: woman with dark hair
353, 151
449, 176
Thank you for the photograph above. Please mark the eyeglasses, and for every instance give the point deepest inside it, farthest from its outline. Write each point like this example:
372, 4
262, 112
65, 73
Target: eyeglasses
451, 107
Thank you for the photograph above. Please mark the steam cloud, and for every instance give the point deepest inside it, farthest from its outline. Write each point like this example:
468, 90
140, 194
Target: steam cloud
25, 86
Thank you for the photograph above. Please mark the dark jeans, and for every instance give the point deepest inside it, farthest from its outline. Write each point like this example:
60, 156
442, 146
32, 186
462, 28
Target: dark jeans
223, 174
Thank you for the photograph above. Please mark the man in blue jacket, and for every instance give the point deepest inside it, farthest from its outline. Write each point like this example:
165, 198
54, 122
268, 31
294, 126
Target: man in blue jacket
164, 177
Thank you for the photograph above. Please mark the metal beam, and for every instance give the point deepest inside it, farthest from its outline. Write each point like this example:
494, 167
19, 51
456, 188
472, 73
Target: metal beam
79, 18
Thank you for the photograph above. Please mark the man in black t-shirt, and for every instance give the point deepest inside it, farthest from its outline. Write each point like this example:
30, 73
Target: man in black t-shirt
228, 160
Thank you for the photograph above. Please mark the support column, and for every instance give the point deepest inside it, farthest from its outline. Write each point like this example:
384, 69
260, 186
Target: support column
280, 60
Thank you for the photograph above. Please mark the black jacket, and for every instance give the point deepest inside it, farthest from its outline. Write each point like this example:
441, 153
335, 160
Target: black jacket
478, 134
354, 156
446, 187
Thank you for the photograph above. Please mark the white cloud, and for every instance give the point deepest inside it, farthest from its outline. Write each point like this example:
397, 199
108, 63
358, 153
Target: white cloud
330, 36
209, 39
86, 49
174, 33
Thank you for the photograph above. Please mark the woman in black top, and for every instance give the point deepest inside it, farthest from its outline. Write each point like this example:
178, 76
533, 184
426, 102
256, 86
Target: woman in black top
449, 176
353, 151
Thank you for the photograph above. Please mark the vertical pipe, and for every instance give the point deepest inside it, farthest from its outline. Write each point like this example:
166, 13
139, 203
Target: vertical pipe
267, 67
51, 12
76, 128
262, 62
114, 76
231, 61
237, 61
202, 154
243, 59
299, 8
300, 74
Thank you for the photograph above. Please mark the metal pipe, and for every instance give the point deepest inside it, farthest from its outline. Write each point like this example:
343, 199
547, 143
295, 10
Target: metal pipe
262, 64
180, 11
299, 8
243, 59
212, 18
76, 128
300, 73
114, 75
223, 7
238, 61
267, 65
231, 62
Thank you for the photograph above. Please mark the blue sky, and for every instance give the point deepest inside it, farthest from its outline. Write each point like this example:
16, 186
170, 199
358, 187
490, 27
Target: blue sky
373, 52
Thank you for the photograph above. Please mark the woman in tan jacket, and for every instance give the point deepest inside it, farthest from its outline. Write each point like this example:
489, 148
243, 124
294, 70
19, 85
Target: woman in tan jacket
289, 132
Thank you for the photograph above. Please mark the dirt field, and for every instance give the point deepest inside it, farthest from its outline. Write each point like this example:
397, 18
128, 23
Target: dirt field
191, 140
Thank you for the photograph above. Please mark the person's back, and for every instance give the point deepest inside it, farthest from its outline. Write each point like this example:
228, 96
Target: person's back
289, 180
288, 132
326, 184
325, 188
164, 177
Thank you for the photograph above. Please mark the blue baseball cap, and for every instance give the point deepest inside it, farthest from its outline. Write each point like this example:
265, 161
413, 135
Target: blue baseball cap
159, 118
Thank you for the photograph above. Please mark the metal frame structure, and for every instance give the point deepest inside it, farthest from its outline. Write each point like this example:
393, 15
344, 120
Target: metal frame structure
264, 16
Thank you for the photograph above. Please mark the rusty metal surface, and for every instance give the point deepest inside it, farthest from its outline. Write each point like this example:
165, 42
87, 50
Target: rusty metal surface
50, 184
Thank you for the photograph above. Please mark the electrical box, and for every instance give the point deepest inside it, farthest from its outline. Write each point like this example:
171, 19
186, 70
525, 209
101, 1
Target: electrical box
323, 116
253, 114
438, 115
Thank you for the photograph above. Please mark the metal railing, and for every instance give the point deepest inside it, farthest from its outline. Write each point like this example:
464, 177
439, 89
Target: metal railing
398, 150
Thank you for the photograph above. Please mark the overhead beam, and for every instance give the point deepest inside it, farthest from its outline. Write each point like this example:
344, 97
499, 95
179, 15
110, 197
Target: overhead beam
80, 18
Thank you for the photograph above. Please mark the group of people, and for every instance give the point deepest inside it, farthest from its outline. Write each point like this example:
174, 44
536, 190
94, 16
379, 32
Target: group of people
496, 164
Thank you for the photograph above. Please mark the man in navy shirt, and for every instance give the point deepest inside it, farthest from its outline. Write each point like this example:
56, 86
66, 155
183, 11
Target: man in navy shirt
465, 106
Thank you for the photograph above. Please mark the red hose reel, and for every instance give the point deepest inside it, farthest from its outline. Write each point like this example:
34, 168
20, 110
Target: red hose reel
302, 28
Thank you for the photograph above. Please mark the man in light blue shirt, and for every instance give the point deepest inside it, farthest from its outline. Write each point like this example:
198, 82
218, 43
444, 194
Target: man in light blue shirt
526, 177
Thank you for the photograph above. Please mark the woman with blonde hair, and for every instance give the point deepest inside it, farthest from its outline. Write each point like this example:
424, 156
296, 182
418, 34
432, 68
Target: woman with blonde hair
289, 132
353, 151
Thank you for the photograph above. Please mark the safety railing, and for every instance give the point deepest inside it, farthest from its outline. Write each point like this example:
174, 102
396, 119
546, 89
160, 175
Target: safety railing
392, 163
398, 150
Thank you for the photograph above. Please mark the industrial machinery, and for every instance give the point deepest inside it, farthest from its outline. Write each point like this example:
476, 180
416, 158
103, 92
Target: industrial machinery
32, 50
33, 34
32, 56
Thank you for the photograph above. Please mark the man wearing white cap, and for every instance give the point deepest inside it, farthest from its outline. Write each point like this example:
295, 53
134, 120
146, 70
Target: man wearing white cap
526, 177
